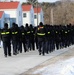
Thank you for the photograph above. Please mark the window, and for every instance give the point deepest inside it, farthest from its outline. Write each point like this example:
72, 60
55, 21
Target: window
35, 16
24, 15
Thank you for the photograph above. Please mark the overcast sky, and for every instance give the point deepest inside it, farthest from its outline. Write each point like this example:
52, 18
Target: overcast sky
41, 0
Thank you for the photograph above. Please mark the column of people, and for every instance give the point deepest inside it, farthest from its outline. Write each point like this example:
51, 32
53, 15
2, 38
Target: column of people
46, 38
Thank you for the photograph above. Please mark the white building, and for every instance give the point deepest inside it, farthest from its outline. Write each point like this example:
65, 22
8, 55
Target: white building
1, 19
13, 12
38, 16
28, 14
8, 0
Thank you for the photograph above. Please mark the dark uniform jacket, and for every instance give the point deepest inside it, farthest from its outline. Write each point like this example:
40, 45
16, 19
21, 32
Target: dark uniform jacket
23, 34
27, 29
14, 32
5, 35
41, 32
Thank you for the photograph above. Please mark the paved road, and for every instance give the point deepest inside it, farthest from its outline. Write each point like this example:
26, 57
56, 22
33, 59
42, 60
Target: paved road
23, 62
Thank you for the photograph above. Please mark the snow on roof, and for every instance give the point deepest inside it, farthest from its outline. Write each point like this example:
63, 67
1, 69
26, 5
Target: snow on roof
1, 13
26, 7
9, 5
37, 10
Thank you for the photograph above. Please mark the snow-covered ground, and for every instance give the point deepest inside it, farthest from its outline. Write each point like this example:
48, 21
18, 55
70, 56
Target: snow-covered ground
60, 68
20, 63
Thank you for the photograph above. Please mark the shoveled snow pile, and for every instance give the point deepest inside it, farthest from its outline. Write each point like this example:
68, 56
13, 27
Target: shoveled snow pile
68, 69
60, 68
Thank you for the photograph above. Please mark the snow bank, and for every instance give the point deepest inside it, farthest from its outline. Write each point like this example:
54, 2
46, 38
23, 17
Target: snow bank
69, 68
60, 68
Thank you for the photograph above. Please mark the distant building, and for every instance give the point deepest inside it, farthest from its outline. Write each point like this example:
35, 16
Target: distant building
13, 12
28, 14
8, 0
1, 19
38, 16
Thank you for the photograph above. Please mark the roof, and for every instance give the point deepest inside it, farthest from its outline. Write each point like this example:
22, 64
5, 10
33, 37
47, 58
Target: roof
1, 13
9, 5
37, 10
26, 7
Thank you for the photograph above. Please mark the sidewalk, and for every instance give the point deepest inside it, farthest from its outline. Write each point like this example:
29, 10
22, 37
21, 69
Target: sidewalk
21, 63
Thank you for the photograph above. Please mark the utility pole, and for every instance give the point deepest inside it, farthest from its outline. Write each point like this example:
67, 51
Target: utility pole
52, 20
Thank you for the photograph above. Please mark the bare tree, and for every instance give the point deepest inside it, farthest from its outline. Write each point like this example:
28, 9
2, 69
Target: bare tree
61, 12
33, 2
